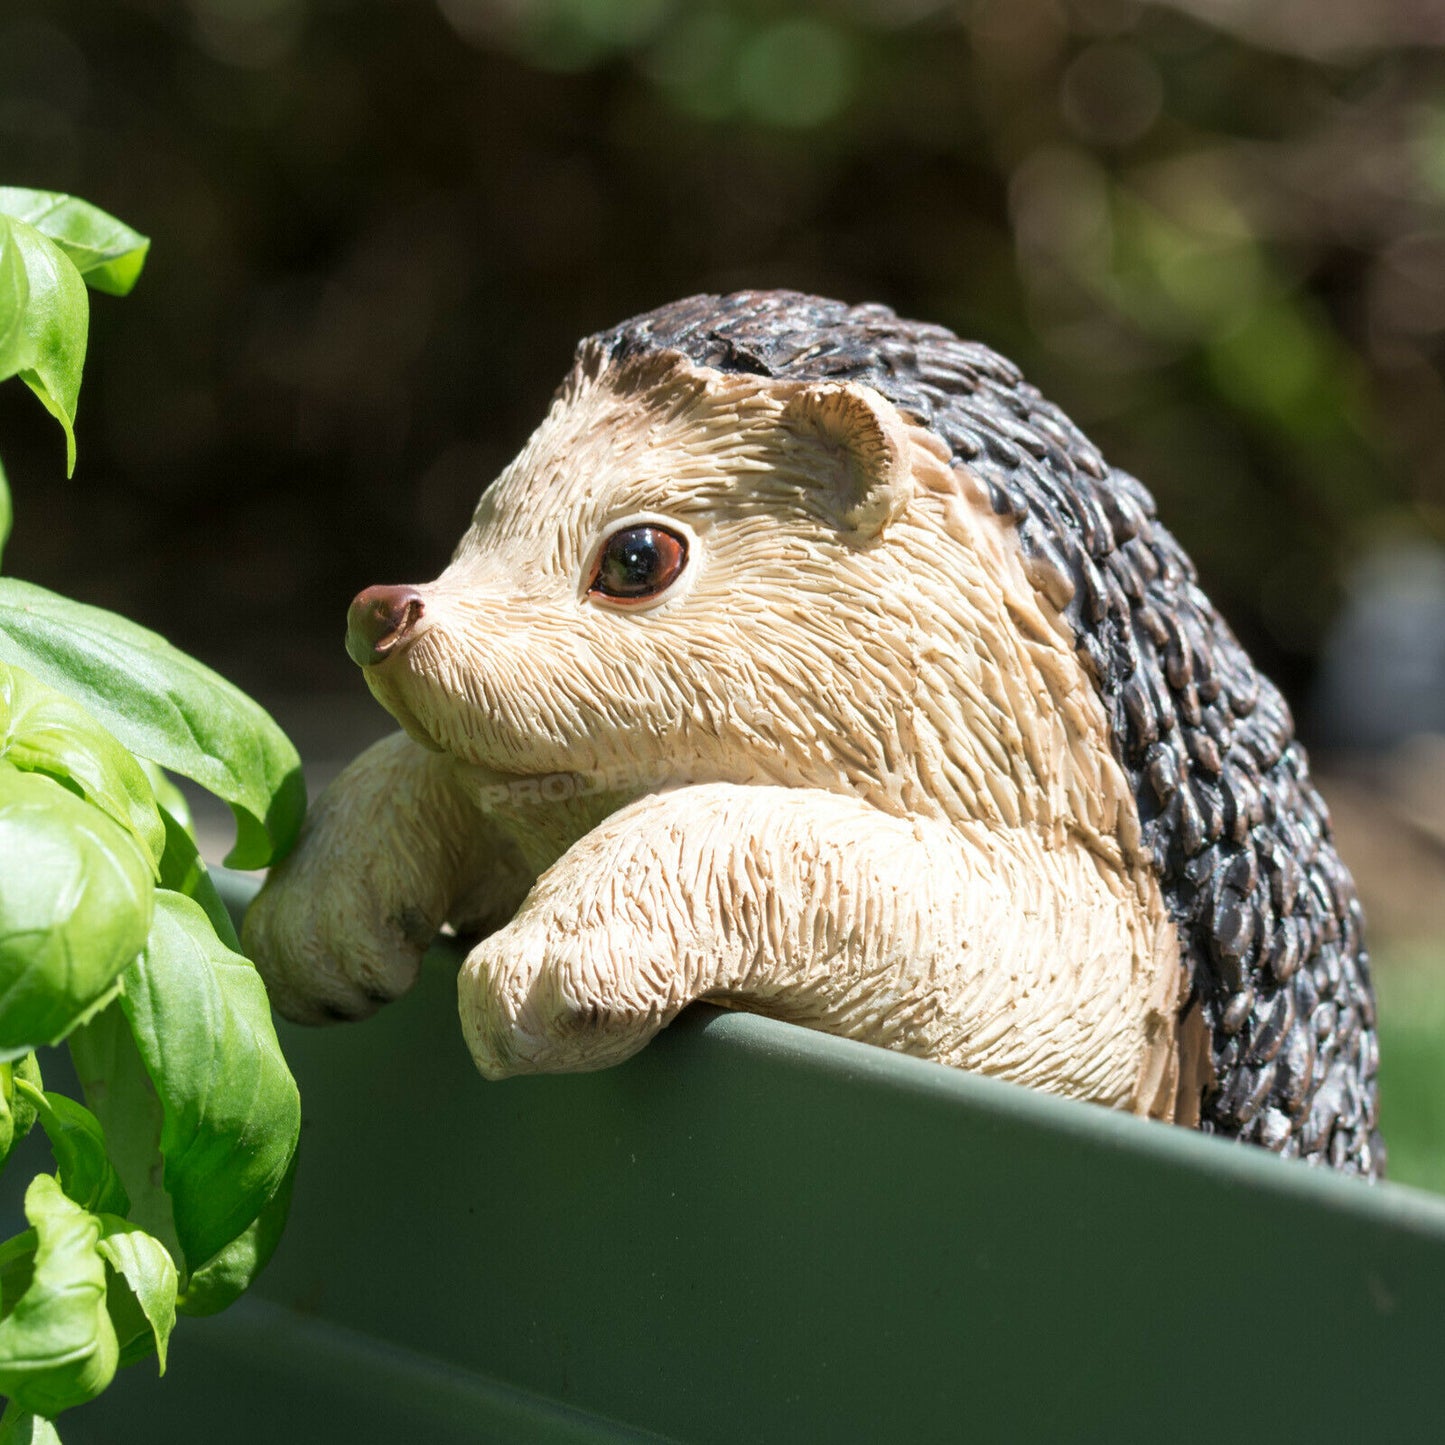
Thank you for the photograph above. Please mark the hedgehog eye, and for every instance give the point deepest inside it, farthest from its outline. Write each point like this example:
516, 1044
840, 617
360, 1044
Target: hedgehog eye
637, 563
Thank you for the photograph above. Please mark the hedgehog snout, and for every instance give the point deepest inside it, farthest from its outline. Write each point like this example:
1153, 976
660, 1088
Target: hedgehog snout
381, 620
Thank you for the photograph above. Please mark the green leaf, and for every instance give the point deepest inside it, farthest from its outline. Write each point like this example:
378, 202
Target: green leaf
17, 1112
43, 326
202, 1024
57, 1346
75, 907
183, 870
20, 1427
43, 731
15, 347
120, 1094
149, 1272
165, 706
17, 1268
86, 1173
226, 1276
168, 795
7, 511
105, 251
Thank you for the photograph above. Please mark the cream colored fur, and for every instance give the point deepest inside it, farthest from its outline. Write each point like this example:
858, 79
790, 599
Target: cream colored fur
847, 771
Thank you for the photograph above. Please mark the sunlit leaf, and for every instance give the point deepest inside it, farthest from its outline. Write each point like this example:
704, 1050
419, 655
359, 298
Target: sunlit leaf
86, 1173
105, 251
43, 731
57, 1346
76, 895
149, 1272
165, 706
43, 326
202, 1024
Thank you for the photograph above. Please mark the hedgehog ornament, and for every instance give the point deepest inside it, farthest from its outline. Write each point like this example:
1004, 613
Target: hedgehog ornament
807, 661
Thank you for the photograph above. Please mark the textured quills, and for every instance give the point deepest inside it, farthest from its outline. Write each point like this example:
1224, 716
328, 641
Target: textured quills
808, 661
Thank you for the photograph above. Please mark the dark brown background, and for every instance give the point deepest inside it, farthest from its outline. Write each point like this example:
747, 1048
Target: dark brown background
379, 228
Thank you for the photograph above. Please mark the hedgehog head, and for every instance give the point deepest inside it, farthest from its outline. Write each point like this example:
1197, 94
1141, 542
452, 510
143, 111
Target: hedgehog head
694, 575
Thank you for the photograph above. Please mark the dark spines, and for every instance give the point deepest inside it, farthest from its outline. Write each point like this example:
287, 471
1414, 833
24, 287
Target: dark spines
1268, 920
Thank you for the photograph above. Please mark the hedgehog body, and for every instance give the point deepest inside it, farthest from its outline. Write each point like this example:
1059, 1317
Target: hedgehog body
1260, 994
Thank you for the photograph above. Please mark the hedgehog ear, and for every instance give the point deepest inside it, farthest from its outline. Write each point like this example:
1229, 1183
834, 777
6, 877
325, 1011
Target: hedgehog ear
866, 449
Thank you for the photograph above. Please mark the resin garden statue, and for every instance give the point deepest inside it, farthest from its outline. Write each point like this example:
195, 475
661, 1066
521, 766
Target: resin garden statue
807, 661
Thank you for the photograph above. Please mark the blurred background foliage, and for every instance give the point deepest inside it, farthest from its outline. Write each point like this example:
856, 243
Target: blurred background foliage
1213, 230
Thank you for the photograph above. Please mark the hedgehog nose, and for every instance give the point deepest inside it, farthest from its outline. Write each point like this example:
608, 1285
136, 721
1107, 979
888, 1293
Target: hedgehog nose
380, 620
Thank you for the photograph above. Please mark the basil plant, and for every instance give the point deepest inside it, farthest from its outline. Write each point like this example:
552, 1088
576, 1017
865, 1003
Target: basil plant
173, 1170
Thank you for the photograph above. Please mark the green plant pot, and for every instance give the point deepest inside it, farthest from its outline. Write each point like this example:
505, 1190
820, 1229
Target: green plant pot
752, 1232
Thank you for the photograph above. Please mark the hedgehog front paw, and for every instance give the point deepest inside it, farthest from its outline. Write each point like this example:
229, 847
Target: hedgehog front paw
543, 996
324, 965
